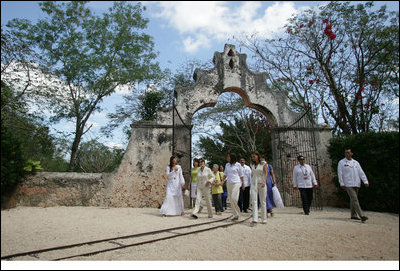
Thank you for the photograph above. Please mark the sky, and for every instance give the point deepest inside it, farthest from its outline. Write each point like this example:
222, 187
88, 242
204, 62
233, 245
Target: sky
181, 31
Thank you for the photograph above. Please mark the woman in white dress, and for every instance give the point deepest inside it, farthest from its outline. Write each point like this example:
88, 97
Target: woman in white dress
173, 202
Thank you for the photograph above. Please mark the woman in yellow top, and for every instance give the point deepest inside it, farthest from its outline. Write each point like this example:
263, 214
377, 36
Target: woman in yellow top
217, 190
193, 182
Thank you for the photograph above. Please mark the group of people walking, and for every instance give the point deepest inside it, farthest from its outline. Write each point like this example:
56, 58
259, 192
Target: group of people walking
239, 183
244, 185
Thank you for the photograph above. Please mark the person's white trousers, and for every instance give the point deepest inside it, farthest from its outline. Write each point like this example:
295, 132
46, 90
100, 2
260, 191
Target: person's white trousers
206, 192
233, 196
255, 190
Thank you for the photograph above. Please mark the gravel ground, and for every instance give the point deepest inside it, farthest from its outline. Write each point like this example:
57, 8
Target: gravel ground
288, 236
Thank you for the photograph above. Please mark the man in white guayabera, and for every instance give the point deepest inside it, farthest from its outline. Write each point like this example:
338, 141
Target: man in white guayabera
304, 180
350, 175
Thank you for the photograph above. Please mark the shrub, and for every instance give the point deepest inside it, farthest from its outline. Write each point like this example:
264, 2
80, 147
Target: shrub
12, 161
378, 155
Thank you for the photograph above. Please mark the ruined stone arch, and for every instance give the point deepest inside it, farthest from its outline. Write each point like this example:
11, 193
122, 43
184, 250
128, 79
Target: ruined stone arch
260, 108
138, 181
231, 74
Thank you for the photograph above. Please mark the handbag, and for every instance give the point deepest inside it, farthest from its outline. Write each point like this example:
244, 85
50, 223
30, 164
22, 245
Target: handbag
277, 198
186, 193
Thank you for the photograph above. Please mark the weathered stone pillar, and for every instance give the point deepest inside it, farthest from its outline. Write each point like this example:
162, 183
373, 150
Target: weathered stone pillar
327, 187
182, 148
138, 181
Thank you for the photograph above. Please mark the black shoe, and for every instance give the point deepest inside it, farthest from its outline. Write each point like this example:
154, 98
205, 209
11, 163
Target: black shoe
195, 216
307, 213
355, 218
245, 211
363, 218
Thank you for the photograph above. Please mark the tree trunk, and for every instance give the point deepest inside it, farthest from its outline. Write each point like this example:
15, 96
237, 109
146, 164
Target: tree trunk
74, 149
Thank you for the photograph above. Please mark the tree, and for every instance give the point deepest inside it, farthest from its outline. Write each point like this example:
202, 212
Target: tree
142, 103
343, 59
91, 55
26, 145
245, 134
16, 54
150, 102
94, 156
12, 162
35, 141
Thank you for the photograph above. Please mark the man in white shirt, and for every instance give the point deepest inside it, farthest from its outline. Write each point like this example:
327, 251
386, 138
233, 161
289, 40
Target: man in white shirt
304, 180
244, 196
350, 176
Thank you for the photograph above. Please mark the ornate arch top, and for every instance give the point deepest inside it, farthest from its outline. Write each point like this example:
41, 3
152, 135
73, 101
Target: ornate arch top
231, 74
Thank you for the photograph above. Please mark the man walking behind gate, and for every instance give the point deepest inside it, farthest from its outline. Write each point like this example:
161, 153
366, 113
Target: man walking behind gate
304, 180
350, 175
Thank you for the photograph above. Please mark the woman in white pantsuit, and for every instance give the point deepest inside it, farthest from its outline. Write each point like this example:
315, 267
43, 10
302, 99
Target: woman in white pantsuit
173, 202
233, 175
258, 187
204, 179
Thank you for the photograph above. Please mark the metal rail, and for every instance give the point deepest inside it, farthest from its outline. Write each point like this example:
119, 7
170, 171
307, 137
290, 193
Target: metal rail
150, 241
35, 252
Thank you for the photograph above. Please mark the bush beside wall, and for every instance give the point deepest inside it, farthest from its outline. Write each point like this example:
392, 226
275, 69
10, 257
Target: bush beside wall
378, 155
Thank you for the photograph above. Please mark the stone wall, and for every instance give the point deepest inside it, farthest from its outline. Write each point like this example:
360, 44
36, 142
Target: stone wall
327, 187
138, 180
45, 189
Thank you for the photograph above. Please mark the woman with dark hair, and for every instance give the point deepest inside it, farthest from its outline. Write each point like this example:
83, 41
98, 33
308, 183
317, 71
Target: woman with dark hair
271, 182
233, 175
258, 187
205, 177
193, 180
173, 202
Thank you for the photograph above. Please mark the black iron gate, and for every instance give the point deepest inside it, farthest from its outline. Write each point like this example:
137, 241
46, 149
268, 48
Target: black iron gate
288, 143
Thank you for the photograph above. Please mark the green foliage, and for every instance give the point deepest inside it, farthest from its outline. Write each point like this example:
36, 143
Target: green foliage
149, 103
164, 84
32, 166
95, 157
378, 155
242, 137
29, 130
12, 161
91, 55
342, 58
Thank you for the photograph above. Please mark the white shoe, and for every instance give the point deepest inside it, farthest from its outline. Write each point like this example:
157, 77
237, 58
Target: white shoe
264, 221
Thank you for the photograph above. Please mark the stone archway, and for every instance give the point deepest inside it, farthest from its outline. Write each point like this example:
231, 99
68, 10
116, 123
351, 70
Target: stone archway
138, 181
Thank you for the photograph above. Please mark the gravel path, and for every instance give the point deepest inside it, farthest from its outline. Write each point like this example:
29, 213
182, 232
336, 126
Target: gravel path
288, 236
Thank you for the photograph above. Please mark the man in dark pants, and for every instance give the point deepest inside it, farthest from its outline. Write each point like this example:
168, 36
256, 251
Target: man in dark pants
304, 180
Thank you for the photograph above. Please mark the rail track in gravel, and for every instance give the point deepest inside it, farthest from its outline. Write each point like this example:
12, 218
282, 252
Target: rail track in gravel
112, 240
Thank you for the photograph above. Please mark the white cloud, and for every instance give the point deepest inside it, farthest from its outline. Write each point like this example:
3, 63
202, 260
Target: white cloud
192, 45
123, 89
115, 145
201, 22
